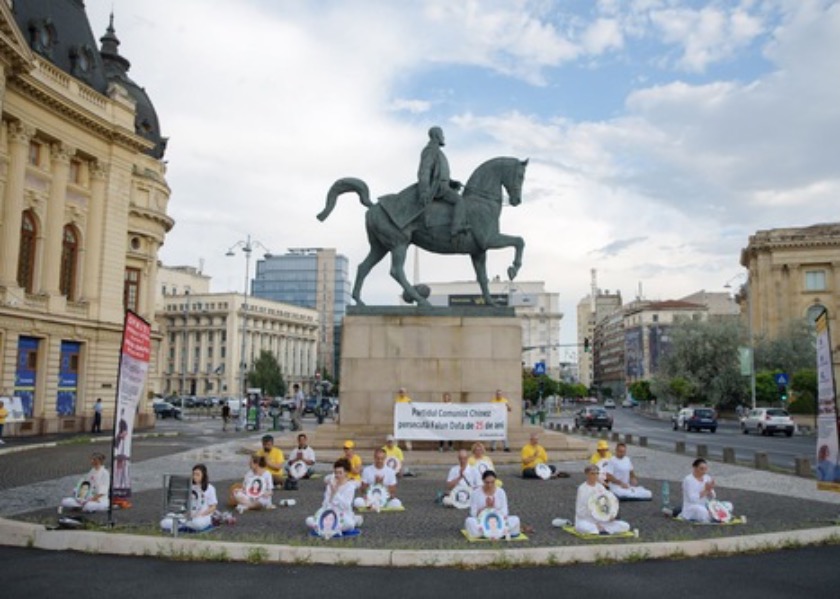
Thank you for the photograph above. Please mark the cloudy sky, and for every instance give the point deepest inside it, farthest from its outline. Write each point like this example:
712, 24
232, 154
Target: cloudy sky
661, 133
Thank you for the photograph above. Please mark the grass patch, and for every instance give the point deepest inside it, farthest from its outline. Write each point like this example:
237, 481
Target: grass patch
256, 555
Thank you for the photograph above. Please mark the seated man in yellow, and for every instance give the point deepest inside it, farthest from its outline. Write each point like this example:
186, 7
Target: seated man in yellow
392, 450
534, 454
354, 474
602, 453
274, 459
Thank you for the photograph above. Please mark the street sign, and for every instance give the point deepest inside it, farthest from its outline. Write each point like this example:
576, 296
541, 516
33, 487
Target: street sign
539, 369
781, 379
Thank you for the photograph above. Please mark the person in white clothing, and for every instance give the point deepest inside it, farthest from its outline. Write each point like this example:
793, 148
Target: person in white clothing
621, 477
378, 474
585, 523
489, 496
338, 495
257, 487
462, 475
203, 503
96, 485
697, 489
304, 453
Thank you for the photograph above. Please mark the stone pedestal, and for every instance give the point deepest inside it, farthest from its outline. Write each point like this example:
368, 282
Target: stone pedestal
468, 352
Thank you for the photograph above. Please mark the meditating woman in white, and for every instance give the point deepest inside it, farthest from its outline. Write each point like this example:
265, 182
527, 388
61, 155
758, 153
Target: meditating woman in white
489, 496
698, 488
92, 491
203, 503
585, 521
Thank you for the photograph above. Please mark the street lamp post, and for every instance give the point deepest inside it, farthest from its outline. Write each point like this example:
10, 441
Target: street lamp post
247, 247
185, 356
750, 339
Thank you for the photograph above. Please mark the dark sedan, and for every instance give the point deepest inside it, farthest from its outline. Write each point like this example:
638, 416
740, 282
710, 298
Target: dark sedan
164, 409
593, 418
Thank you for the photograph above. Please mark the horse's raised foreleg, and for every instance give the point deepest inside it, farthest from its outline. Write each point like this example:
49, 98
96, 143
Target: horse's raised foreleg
377, 252
501, 240
479, 261
398, 255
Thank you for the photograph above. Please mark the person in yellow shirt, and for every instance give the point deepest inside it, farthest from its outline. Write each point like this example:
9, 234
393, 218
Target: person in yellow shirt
402, 397
499, 398
4, 413
602, 452
274, 459
355, 472
393, 450
532, 455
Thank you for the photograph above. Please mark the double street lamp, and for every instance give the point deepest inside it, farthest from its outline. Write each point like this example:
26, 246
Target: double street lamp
751, 341
247, 246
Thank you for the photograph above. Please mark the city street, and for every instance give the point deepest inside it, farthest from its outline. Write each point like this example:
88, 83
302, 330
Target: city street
781, 451
809, 572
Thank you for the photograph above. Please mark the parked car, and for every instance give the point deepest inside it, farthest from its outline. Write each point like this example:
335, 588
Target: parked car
695, 419
609, 404
767, 421
310, 404
629, 403
164, 409
593, 418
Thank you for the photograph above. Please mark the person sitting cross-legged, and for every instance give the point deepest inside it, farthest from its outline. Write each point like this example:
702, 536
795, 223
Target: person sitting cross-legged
585, 521
534, 454
463, 474
621, 477
489, 496
378, 474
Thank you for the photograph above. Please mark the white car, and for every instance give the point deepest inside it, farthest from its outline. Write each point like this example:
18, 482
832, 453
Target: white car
767, 421
608, 403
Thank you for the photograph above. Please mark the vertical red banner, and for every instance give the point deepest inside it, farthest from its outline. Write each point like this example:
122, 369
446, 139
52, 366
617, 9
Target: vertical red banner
134, 366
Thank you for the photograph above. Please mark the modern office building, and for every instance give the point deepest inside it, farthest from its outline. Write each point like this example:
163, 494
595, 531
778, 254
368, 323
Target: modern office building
316, 278
537, 308
206, 335
83, 213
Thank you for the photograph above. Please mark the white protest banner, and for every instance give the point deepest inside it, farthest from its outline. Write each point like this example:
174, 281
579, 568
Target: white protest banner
828, 415
134, 364
447, 421
15, 407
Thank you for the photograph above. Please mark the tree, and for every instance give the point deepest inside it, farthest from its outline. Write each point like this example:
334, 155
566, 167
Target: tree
792, 350
266, 375
804, 387
705, 356
640, 390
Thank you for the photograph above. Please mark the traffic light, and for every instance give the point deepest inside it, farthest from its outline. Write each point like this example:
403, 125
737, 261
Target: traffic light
586, 344
783, 393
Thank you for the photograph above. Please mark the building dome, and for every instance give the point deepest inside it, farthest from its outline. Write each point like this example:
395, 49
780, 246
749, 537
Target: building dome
59, 31
116, 71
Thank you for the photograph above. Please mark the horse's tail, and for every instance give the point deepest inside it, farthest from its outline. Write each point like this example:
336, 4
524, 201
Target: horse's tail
342, 186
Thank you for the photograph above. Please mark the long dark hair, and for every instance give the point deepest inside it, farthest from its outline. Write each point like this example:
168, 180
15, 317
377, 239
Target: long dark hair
205, 480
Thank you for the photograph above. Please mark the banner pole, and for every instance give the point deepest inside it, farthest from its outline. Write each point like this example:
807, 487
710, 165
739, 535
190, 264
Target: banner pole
114, 425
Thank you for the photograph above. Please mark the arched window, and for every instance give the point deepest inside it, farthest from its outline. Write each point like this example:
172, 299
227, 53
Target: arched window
26, 257
69, 261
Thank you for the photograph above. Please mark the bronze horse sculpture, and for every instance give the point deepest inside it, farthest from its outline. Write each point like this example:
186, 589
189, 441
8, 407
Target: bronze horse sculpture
399, 220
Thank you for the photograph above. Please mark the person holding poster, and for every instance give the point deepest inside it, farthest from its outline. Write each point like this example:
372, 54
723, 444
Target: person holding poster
4, 413
257, 488
203, 503
403, 397
447, 399
490, 496
499, 398
91, 493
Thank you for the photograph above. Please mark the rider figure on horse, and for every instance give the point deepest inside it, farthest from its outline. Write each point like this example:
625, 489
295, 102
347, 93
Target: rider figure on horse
434, 182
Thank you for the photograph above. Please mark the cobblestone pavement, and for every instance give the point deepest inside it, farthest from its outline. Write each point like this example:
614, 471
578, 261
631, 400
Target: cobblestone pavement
772, 502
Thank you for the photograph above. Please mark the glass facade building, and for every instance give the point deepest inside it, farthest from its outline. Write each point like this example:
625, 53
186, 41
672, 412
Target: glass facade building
316, 278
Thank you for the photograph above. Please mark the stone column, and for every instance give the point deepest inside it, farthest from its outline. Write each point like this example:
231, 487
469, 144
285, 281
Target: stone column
60, 155
19, 137
93, 236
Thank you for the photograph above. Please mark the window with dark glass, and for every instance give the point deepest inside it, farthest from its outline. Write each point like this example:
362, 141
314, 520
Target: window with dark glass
131, 289
69, 262
26, 257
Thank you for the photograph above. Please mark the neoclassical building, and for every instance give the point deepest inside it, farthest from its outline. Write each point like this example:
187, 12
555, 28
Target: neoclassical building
83, 212
206, 336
